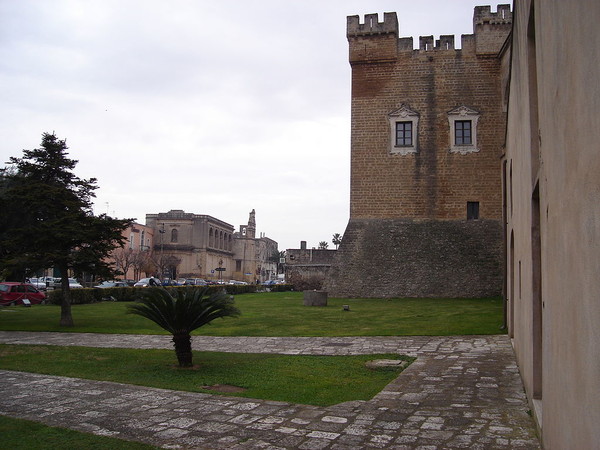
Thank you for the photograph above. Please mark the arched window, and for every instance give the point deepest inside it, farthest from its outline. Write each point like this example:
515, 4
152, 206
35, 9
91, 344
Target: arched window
221, 240
211, 238
174, 234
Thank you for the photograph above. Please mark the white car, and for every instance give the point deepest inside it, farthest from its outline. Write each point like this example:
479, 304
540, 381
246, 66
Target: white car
74, 284
46, 282
145, 282
38, 283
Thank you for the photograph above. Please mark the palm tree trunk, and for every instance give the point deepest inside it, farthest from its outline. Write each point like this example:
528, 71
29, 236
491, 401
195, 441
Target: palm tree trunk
183, 349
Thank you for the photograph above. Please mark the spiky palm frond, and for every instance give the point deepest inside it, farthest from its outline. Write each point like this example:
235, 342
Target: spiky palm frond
184, 312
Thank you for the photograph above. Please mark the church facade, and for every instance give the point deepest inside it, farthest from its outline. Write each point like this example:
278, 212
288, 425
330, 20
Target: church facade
188, 245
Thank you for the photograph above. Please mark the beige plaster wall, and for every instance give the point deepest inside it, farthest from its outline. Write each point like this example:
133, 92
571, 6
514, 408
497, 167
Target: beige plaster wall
566, 78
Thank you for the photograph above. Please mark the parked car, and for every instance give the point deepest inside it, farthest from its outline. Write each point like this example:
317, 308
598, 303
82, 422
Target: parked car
37, 283
74, 284
13, 293
195, 282
46, 282
111, 284
145, 282
236, 282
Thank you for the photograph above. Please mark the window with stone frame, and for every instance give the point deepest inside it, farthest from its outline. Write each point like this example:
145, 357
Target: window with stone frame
404, 134
463, 130
404, 126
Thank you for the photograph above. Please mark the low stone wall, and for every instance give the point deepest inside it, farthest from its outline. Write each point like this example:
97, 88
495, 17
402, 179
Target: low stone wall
315, 298
306, 276
407, 258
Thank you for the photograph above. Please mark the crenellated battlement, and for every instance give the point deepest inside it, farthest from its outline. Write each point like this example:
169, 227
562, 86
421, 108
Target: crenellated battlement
372, 25
373, 40
491, 28
484, 15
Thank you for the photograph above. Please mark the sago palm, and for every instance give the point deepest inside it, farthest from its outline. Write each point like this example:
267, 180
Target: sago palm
183, 313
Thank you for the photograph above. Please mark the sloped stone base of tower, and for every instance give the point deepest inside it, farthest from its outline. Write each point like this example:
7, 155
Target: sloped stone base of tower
385, 258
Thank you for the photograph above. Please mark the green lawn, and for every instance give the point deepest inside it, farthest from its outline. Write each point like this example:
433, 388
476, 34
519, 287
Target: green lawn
315, 380
19, 434
283, 314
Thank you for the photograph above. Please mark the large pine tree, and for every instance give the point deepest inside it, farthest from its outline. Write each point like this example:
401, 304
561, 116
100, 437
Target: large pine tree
47, 219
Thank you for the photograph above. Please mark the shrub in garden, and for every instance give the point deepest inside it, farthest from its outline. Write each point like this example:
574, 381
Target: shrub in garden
182, 311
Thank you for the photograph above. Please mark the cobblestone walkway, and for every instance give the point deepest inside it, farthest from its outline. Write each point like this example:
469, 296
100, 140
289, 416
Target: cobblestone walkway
461, 392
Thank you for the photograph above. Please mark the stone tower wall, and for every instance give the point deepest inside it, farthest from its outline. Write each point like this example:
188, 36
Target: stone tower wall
408, 234
432, 183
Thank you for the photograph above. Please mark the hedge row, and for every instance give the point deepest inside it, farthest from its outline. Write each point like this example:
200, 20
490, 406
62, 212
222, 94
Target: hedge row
130, 294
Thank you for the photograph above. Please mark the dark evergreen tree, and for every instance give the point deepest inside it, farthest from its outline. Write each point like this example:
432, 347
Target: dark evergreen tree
47, 219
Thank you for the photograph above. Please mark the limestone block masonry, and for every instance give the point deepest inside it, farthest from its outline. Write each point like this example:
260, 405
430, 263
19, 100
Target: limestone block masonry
415, 172
387, 258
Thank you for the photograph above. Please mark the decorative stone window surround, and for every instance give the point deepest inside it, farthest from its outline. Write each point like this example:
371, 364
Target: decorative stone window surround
404, 114
463, 113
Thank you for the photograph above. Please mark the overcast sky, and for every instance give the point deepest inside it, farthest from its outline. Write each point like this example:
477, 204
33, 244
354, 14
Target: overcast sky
212, 107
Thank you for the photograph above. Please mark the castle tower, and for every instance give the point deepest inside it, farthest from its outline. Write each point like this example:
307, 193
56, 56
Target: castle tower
427, 131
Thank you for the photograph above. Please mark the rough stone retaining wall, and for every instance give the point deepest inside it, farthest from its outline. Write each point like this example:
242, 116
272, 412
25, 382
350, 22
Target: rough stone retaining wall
410, 258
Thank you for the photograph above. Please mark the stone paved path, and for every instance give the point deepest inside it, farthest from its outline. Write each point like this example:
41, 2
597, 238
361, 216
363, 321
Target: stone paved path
462, 392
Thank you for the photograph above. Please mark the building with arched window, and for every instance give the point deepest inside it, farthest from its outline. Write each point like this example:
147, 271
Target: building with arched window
188, 245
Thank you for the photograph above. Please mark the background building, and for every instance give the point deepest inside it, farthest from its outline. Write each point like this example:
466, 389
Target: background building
256, 259
427, 134
552, 210
308, 268
135, 259
192, 245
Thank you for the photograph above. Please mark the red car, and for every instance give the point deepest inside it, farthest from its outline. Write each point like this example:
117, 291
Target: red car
13, 293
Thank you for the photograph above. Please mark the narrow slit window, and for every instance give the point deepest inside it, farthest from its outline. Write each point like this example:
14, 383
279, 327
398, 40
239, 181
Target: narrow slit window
472, 210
